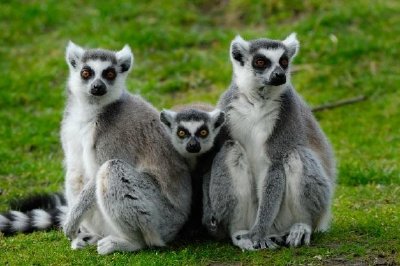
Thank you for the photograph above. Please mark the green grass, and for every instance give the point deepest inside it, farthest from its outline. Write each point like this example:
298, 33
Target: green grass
348, 48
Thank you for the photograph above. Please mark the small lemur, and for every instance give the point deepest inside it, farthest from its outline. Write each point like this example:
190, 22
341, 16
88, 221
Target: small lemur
275, 177
126, 186
194, 131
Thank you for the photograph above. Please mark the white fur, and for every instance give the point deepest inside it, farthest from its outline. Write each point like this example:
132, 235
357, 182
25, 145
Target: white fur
192, 126
41, 219
125, 55
252, 121
242, 180
292, 43
21, 221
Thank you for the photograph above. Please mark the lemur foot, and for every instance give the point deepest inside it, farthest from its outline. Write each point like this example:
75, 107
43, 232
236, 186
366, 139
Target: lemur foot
239, 240
84, 239
245, 241
299, 233
112, 244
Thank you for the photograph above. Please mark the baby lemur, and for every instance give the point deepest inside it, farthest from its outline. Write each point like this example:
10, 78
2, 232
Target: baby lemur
126, 186
275, 176
194, 130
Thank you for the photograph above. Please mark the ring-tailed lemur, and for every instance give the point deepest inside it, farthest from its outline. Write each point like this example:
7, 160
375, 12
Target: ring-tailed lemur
276, 175
194, 131
126, 186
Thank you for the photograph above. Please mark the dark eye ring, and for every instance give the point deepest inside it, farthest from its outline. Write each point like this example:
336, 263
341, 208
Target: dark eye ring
284, 62
261, 62
110, 75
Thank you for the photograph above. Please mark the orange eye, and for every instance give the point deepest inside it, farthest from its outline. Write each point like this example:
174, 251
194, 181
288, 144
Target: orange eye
181, 133
203, 133
85, 74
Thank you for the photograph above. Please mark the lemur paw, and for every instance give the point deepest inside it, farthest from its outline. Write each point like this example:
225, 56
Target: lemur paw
84, 239
106, 246
251, 241
264, 243
241, 239
299, 233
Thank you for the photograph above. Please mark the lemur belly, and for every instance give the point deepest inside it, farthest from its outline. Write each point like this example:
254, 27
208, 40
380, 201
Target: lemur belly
81, 156
251, 124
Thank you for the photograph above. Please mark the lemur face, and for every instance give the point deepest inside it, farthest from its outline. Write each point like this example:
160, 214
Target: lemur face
192, 131
98, 75
261, 63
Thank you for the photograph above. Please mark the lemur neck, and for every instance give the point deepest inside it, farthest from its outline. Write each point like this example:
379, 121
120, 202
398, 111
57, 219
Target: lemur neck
192, 162
263, 94
88, 108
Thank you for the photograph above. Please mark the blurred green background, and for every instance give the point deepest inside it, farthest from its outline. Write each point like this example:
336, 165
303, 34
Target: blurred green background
348, 48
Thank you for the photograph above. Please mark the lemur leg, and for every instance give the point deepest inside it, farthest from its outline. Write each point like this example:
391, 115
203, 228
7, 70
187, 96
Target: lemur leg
76, 212
84, 211
232, 194
133, 204
308, 196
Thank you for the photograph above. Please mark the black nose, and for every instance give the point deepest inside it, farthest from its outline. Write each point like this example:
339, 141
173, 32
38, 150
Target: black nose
193, 146
277, 78
98, 88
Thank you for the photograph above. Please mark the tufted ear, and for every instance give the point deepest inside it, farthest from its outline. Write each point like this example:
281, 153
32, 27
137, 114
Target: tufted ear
167, 117
125, 59
292, 44
239, 50
73, 54
217, 118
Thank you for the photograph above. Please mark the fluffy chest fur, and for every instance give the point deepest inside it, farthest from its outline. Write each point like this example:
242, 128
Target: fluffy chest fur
251, 123
78, 142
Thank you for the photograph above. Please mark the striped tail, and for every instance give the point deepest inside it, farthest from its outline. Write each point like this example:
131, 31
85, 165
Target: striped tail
36, 213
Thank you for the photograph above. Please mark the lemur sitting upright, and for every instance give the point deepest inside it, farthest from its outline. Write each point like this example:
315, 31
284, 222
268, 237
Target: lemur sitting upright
125, 184
276, 175
194, 131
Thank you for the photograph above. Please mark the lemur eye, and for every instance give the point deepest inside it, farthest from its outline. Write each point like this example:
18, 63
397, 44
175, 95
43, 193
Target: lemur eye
86, 73
261, 62
203, 133
284, 62
181, 133
109, 74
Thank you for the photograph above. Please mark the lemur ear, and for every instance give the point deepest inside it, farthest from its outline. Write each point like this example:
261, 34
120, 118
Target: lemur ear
167, 117
292, 44
125, 59
217, 118
73, 54
239, 49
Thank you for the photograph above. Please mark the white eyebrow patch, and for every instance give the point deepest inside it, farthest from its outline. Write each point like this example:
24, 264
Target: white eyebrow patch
192, 126
98, 66
272, 54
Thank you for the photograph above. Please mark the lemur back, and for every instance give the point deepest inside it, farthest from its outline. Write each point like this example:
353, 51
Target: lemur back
275, 176
194, 131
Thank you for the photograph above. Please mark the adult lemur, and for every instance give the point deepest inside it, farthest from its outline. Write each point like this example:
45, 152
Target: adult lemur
125, 184
194, 130
275, 177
